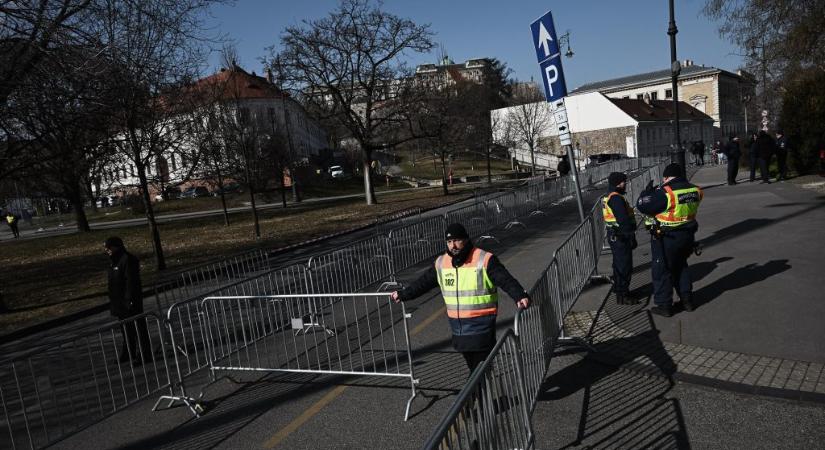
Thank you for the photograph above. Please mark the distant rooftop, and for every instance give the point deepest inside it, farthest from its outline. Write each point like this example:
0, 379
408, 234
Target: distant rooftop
688, 70
657, 110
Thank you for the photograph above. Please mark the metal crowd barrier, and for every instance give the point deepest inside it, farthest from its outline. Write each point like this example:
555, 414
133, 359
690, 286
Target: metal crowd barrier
47, 395
536, 332
66, 387
491, 411
347, 334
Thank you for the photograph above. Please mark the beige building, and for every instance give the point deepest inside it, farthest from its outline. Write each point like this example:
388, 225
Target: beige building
718, 93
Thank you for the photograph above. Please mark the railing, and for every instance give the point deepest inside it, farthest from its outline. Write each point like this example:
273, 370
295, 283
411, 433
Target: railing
61, 389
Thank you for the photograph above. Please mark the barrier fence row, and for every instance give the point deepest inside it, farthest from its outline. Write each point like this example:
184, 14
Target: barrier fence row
523, 354
56, 391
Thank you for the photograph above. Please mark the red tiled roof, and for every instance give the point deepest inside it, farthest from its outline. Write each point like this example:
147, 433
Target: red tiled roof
236, 83
657, 110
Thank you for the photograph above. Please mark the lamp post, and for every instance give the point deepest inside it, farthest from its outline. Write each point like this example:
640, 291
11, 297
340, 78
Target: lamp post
678, 153
745, 99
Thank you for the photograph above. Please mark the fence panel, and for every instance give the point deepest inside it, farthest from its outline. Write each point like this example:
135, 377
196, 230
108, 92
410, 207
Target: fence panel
421, 241
351, 268
351, 334
66, 387
491, 411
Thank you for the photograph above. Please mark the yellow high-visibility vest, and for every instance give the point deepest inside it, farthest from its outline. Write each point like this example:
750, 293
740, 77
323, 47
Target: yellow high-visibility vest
467, 290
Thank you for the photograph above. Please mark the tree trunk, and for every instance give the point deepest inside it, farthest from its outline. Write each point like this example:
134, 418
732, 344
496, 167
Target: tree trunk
369, 192
254, 213
532, 162
79, 212
91, 195
225, 212
283, 188
489, 172
444, 175
150, 217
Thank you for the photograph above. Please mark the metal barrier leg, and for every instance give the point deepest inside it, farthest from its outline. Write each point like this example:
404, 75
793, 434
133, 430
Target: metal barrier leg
574, 341
192, 403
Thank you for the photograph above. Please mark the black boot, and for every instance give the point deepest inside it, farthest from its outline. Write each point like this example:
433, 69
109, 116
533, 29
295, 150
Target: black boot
662, 310
687, 302
620, 299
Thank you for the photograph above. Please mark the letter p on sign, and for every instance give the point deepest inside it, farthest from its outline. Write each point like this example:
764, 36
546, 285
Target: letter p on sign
554, 86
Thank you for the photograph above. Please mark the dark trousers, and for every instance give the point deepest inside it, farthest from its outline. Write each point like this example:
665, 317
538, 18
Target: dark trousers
670, 252
782, 162
622, 248
754, 161
733, 169
14, 230
473, 359
136, 344
763, 168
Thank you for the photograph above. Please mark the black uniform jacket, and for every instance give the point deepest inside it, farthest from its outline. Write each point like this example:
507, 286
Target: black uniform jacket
125, 294
478, 333
626, 222
654, 201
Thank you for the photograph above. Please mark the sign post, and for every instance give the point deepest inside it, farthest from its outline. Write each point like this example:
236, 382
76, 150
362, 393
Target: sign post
548, 55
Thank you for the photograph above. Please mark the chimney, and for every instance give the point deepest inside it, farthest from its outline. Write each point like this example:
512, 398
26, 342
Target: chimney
687, 63
647, 99
269, 78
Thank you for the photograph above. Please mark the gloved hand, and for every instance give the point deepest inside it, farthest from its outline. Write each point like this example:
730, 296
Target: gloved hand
649, 186
633, 243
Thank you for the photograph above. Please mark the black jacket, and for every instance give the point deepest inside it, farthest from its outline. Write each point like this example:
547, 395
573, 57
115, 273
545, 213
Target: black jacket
732, 149
654, 201
627, 223
765, 146
475, 334
782, 144
125, 291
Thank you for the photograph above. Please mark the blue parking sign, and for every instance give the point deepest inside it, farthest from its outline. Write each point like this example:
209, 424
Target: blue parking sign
544, 37
553, 77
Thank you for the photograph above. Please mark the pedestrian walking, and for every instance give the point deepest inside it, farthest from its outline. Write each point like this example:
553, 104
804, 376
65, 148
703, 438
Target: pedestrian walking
783, 148
13, 221
732, 152
753, 156
126, 300
469, 278
673, 207
621, 234
765, 147
564, 166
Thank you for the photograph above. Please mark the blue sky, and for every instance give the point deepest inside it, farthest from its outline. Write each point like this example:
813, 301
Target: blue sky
610, 38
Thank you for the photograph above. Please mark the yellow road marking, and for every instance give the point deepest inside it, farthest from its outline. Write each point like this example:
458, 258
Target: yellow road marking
335, 393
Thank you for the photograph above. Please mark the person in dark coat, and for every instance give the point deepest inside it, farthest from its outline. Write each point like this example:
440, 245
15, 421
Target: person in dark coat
782, 149
733, 153
620, 222
673, 206
765, 147
126, 300
753, 156
564, 166
469, 278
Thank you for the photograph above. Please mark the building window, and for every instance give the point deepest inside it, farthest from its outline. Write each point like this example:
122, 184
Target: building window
668, 93
654, 95
640, 96
626, 96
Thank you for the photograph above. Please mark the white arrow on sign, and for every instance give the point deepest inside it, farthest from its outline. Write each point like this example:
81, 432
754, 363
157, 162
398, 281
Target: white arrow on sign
544, 39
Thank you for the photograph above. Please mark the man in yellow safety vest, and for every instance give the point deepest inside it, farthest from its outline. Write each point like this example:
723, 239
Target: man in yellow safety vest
620, 222
673, 207
468, 277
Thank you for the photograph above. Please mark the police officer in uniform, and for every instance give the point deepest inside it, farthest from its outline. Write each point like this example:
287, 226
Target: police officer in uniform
621, 234
469, 278
673, 206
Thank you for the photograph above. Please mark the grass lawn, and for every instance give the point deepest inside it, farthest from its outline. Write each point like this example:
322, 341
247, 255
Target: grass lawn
38, 275
463, 165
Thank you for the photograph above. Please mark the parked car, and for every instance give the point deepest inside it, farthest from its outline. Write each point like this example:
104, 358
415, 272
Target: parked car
194, 192
171, 194
338, 173
229, 188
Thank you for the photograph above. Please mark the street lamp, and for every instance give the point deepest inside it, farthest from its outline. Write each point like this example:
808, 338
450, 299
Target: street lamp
565, 39
678, 154
745, 99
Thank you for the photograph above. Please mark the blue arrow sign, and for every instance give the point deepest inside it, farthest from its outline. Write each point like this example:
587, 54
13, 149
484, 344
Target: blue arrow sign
544, 37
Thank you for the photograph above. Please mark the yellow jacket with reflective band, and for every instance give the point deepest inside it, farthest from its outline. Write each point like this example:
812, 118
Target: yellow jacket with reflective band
607, 211
467, 290
682, 205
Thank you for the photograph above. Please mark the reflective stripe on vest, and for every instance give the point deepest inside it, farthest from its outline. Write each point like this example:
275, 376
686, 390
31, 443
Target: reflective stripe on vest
607, 211
682, 205
467, 290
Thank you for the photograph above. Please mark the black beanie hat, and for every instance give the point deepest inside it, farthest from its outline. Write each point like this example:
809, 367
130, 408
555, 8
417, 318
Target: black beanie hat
457, 231
615, 178
113, 241
672, 170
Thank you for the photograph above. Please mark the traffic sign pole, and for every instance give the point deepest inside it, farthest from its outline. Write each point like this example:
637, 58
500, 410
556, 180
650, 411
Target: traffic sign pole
546, 45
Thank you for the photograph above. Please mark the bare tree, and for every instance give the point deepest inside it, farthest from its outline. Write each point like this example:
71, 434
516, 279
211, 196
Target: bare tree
59, 109
527, 122
349, 66
154, 47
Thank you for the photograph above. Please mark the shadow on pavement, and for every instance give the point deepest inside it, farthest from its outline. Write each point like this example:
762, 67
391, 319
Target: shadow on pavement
739, 278
749, 225
623, 408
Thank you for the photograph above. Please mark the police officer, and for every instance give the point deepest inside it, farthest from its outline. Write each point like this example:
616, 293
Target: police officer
126, 300
673, 207
621, 234
469, 278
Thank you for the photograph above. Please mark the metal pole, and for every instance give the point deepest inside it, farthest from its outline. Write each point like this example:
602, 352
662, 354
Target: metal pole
678, 154
575, 171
